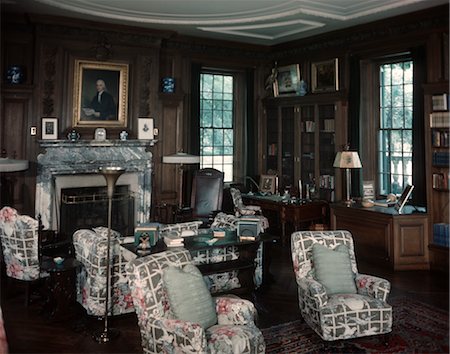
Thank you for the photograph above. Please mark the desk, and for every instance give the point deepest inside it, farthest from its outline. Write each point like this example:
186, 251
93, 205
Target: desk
385, 237
296, 214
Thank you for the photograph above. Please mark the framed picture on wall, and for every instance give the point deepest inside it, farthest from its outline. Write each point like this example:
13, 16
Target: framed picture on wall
325, 76
100, 94
287, 80
145, 128
49, 128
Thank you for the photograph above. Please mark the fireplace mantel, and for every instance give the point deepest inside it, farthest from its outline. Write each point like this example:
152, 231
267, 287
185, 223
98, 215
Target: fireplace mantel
82, 159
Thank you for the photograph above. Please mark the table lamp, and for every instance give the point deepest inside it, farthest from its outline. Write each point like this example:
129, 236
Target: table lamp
181, 159
347, 159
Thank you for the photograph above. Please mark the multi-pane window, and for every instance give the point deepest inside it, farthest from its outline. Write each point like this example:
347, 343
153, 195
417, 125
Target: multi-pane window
216, 123
395, 144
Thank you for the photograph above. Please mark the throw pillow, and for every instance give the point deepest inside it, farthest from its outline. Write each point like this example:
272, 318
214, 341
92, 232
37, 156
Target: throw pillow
333, 269
189, 297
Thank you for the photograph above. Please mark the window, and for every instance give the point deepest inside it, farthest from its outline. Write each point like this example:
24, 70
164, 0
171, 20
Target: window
216, 123
395, 141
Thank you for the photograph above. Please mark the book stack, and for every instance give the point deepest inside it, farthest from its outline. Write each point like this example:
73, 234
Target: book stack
218, 233
173, 240
441, 234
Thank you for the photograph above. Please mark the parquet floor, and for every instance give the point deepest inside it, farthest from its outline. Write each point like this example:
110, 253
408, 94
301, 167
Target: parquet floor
29, 331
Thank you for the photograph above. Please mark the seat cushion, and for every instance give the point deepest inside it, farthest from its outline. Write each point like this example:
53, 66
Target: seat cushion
229, 339
333, 269
189, 297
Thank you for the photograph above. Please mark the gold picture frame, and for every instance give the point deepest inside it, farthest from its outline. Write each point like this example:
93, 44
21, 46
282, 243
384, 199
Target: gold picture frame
268, 184
287, 80
325, 76
111, 108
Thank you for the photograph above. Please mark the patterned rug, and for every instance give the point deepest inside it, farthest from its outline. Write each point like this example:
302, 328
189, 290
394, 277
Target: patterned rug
417, 328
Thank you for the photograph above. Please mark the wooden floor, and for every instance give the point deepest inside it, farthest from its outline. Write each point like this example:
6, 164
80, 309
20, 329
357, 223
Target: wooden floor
29, 331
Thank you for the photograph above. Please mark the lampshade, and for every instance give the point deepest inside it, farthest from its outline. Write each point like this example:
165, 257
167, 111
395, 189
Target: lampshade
181, 158
347, 159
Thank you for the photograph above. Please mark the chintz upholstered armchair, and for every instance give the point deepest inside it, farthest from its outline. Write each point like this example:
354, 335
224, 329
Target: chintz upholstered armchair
164, 330
19, 236
334, 299
241, 209
90, 249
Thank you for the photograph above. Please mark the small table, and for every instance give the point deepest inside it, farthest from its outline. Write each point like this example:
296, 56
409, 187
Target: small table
61, 287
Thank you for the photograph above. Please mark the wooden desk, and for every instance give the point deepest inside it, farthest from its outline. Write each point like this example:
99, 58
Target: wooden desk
384, 236
295, 214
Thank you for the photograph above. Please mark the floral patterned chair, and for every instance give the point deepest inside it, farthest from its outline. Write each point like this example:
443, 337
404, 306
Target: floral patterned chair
162, 333
19, 235
241, 209
90, 250
338, 316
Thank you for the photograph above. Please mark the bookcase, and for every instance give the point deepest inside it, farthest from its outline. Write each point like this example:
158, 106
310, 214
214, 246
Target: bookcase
437, 128
302, 136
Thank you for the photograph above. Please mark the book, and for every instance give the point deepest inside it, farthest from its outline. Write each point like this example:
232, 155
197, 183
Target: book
173, 241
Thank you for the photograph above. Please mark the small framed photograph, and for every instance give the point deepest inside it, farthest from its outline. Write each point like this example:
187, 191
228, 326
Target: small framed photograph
287, 80
49, 128
268, 184
145, 128
368, 191
325, 76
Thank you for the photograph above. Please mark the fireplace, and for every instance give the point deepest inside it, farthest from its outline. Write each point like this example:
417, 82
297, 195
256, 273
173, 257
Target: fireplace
86, 208
67, 165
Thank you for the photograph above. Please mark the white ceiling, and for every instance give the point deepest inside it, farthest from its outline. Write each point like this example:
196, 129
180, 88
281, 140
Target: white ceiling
265, 22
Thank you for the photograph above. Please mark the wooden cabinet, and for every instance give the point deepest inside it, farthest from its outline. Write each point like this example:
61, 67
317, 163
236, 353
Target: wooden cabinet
302, 135
437, 126
385, 237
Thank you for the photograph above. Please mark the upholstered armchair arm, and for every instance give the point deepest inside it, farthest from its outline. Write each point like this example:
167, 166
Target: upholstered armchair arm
312, 290
164, 335
378, 288
235, 311
249, 210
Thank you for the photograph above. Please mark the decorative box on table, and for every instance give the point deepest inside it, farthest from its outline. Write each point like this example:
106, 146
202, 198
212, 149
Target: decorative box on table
248, 228
146, 235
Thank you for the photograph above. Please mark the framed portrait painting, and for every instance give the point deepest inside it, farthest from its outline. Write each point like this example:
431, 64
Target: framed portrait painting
287, 80
100, 94
325, 76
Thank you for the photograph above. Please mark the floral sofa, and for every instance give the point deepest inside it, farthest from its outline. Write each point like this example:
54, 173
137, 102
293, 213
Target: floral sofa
338, 316
161, 332
90, 249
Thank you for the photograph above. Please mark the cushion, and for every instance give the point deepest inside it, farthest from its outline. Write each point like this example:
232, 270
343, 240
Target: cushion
189, 298
333, 269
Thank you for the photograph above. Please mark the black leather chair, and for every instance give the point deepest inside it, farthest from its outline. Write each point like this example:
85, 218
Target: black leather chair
207, 194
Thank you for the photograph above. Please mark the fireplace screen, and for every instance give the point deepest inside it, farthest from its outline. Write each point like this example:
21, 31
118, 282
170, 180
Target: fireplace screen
87, 207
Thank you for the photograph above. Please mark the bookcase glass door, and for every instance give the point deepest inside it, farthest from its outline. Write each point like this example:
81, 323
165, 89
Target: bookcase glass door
308, 145
326, 115
287, 149
272, 139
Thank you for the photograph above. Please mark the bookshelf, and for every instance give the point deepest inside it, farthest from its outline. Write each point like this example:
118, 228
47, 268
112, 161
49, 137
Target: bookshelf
437, 128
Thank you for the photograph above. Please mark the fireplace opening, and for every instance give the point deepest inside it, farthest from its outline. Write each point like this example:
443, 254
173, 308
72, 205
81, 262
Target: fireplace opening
87, 207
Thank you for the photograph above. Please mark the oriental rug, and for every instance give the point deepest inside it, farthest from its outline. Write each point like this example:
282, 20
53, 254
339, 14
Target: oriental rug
417, 328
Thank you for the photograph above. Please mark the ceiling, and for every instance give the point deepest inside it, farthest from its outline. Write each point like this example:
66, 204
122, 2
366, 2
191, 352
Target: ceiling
265, 22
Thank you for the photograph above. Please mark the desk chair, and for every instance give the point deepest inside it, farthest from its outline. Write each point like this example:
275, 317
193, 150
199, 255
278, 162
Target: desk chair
207, 194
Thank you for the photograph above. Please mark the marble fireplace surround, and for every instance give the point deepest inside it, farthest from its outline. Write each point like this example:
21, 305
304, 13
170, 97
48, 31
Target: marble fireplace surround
72, 164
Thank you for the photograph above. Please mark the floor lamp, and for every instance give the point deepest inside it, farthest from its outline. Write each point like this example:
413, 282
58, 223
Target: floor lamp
181, 159
347, 159
111, 175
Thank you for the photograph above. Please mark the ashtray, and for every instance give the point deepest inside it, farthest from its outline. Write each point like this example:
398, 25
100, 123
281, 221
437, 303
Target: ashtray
58, 260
